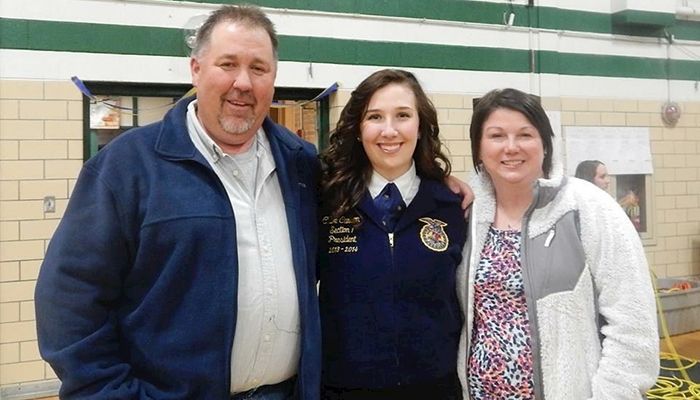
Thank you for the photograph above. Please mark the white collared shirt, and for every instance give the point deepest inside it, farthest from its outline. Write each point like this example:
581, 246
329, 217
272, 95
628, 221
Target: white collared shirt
408, 184
266, 344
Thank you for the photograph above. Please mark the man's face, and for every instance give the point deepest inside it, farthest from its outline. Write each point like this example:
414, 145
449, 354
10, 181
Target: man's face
235, 79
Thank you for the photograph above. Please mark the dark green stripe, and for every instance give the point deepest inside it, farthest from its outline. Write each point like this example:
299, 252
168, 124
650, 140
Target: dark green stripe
643, 18
638, 23
117, 39
91, 38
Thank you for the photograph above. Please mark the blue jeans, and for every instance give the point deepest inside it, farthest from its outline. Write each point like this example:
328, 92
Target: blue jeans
280, 391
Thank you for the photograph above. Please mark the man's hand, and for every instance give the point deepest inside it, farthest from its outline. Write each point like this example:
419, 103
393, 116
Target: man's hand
457, 186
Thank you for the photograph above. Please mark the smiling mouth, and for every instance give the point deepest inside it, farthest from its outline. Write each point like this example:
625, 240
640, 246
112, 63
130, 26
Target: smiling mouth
512, 163
390, 148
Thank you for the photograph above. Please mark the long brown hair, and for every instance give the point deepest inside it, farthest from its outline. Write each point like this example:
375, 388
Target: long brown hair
346, 166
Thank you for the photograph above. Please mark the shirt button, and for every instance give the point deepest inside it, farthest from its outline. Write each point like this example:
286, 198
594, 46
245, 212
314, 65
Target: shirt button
235, 172
267, 338
255, 381
268, 291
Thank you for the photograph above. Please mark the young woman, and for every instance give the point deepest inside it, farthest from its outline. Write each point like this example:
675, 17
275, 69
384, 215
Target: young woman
557, 291
595, 172
391, 240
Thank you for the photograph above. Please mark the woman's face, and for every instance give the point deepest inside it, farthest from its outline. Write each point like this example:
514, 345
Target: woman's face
389, 130
601, 178
511, 149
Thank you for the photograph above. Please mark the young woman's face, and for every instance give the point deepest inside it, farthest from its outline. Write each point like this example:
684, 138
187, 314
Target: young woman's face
601, 178
389, 130
511, 149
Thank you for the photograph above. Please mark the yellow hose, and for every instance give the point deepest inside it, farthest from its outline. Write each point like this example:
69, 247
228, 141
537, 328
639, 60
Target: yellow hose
671, 388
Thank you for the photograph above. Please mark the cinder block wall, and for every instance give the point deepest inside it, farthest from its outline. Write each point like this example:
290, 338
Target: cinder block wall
41, 151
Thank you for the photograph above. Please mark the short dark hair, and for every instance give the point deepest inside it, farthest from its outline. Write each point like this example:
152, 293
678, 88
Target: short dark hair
249, 15
346, 166
587, 169
512, 99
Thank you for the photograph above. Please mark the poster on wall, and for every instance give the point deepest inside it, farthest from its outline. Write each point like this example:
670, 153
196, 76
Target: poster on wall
624, 150
104, 116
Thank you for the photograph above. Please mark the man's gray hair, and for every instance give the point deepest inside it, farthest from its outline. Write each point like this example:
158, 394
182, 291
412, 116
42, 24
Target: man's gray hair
246, 14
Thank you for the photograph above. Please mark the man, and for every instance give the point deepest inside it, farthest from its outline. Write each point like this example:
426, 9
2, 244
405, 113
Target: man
184, 267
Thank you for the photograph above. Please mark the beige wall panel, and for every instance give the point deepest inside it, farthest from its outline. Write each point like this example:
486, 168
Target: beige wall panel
9, 109
64, 130
75, 110
686, 174
9, 271
9, 230
638, 119
569, 104
21, 169
26, 313
689, 229
9, 353
21, 210
29, 269
9, 150
625, 105
17, 331
21, 250
601, 105
457, 116
63, 168
61, 90
41, 229
9, 190
452, 132
587, 118
22, 130
75, 149
10, 89
29, 351
17, 291
43, 109
649, 106
35, 190
613, 119
442, 100
21, 372
9, 312
43, 149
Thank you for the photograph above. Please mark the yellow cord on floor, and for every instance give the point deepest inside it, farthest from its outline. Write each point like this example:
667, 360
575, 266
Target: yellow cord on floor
673, 388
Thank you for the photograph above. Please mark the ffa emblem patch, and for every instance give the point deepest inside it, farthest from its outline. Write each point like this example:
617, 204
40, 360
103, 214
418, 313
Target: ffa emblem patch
433, 234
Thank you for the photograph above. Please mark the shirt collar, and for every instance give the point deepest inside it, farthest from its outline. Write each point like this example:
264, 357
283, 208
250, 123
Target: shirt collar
407, 184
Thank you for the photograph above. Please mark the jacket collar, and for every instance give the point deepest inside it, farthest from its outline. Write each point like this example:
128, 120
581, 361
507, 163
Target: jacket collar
430, 195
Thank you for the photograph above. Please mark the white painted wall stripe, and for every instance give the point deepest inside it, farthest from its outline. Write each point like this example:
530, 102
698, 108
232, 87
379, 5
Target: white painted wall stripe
31, 65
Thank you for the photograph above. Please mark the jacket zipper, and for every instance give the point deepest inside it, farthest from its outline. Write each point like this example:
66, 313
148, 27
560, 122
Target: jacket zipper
390, 236
531, 303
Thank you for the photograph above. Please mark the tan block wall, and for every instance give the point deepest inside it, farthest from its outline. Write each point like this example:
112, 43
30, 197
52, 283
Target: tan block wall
673, 250
41, 140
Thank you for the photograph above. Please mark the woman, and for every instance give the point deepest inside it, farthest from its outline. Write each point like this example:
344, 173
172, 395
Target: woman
392, 238
595, 172
556, 287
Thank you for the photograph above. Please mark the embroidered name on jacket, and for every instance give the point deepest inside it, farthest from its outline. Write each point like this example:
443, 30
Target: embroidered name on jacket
341, 234
433, 234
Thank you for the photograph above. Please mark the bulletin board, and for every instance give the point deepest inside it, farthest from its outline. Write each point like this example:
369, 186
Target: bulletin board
624, 150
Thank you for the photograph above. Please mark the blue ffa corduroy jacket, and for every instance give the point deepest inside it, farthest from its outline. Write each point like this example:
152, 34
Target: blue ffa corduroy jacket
136, 297
389, 313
